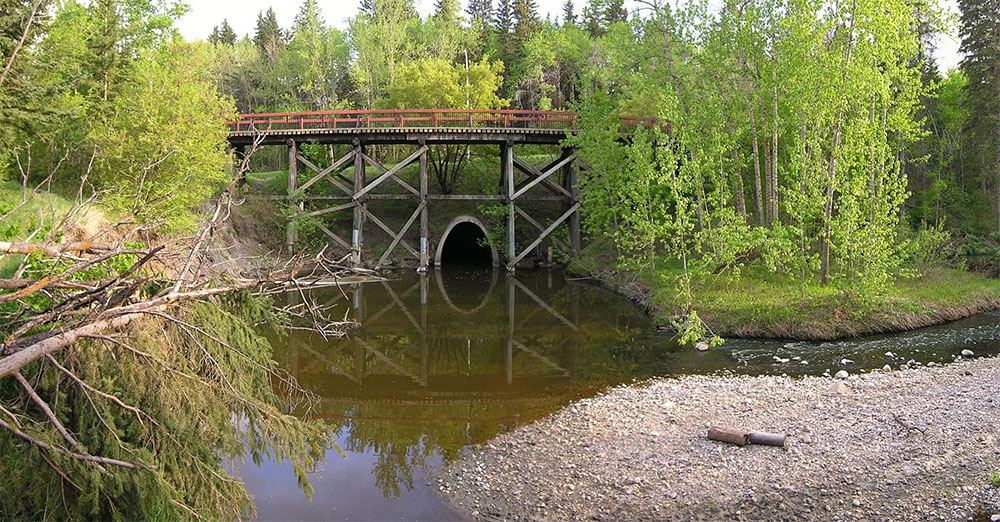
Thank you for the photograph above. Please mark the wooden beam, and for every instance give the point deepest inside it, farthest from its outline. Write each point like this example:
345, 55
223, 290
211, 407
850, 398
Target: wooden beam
326, 172
507, 159
333, 236
543, 176
291, 234
573, 185
398, 237
391, 173
530, 169
371, 161
332, 209
357, 235
388, 230
424, 226
527, 217
545, 233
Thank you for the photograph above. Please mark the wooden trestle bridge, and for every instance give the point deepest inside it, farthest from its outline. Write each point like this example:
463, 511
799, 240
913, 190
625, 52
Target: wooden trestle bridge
422, 129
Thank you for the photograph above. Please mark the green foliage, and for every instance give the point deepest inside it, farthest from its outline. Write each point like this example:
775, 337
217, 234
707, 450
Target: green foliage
162, 145
191, 388
439, 84
994, 480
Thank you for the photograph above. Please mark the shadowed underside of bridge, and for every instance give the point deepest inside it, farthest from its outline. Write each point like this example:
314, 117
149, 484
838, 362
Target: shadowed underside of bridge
551, 189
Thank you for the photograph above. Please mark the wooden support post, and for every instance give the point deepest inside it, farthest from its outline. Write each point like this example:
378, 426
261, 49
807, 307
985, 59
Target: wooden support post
424, 239
507, 158
357, 236
293, 168
572, 186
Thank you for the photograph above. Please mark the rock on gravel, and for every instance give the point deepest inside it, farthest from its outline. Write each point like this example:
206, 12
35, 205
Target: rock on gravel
911, 445
842, 374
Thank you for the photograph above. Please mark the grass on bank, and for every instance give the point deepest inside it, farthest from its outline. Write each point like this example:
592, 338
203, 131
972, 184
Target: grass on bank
33, 220
757, 303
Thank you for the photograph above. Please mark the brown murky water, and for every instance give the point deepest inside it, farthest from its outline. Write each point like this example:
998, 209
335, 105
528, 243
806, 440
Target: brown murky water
452, 358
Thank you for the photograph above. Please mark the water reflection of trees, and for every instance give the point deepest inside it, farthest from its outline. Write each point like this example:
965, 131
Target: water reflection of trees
423, 379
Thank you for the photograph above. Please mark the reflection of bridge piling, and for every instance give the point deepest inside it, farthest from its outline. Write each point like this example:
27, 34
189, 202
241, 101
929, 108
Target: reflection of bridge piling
422, 129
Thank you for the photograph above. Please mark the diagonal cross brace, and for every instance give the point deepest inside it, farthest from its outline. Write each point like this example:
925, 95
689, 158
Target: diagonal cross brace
528, 168
391, 173
544, 176
388, 230
545, 234
398, 237
371, 161
325, 172
527, 217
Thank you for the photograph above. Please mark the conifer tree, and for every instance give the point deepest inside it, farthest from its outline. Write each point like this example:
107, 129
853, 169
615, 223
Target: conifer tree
446, 11
981, 46
268, 37
480, 14
504, 18
367, 8
226, 33
569, 17
615, 11
526, 21
593, 17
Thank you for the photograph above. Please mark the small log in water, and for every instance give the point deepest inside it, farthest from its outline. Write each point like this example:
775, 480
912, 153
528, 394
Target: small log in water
740, 438
767, 439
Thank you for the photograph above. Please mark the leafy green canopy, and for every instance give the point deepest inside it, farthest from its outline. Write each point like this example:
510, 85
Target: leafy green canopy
811, 103
162, 143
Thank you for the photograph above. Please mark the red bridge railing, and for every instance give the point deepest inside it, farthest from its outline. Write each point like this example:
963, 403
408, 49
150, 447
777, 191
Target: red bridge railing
409, 118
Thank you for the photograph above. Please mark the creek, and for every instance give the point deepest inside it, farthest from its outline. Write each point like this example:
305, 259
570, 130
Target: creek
450, 359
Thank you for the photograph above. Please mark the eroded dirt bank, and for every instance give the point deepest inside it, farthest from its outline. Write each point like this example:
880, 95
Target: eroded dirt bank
904, 445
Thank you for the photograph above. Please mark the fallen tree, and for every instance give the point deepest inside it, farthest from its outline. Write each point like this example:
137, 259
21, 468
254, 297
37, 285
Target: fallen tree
129, 371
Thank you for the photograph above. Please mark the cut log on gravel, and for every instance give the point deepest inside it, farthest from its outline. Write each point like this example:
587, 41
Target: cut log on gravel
740, 438
767, 439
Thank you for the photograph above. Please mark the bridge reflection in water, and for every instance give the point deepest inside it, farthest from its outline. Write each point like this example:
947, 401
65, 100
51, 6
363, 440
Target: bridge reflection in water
450, 358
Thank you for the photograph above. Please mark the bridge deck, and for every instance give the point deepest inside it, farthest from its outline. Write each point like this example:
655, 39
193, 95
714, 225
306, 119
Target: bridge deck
402, 135
412, 126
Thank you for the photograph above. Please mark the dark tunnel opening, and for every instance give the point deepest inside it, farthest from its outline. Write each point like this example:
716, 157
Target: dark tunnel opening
466, 245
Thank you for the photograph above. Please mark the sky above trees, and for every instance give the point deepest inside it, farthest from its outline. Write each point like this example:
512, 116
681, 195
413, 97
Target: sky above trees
242, 15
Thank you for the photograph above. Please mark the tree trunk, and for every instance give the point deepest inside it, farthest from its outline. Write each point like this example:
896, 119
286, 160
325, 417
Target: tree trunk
774, 149
756, 164
741, 204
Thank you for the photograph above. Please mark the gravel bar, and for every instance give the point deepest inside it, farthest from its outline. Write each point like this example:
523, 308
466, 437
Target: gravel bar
914, 444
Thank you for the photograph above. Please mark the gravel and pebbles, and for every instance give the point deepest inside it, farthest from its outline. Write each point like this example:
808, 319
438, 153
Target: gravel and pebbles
916, 444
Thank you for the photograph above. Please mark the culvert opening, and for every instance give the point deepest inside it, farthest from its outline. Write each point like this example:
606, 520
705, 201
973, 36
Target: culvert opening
466, 244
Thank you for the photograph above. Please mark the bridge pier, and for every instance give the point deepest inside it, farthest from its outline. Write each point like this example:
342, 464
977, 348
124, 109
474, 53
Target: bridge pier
291, 232
424, 189
357, 236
